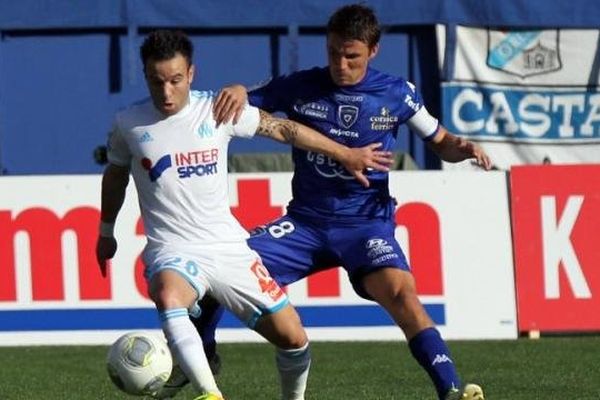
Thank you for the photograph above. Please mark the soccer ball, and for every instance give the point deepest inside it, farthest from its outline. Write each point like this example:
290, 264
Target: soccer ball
139, 363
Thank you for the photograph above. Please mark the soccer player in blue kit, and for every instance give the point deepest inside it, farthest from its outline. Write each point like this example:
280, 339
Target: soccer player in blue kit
332, 219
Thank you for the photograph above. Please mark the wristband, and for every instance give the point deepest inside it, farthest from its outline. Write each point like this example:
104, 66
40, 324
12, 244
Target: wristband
107, 229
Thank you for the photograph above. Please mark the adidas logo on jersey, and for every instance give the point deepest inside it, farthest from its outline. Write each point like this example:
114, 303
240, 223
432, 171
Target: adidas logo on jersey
146, 137
441, 358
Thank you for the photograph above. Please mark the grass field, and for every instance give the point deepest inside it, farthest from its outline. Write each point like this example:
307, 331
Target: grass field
551, 368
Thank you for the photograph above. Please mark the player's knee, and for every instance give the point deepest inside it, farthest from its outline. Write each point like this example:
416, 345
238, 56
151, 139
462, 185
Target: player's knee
166, 298
392, 288
295, 340
169, 290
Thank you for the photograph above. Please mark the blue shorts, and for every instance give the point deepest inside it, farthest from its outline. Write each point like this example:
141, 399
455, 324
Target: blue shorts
292, 248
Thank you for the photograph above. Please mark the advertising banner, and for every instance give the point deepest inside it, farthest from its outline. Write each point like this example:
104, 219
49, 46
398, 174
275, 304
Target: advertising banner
527, 96
556, 220
454, 228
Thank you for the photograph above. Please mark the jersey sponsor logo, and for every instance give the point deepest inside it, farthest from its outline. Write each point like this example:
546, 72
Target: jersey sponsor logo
409, 101
205, 130
344, 133
347, 115
349, 98
312, 109
197, 163
524, 53
191, 163
384, 121
327, 167
154, 172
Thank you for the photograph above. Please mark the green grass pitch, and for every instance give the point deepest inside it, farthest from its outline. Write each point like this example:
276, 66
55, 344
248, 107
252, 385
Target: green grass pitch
546, 369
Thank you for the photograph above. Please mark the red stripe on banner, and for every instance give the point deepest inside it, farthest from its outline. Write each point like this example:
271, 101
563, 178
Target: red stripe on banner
254, 207
425, 247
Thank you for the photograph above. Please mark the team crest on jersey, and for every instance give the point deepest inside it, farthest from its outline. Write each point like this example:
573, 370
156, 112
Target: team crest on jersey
347, 115
524, 53
205, 130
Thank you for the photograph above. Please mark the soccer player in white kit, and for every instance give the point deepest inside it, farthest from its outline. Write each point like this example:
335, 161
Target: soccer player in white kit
177, 156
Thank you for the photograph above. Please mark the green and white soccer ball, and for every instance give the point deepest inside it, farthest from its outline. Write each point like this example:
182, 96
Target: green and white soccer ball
139, 363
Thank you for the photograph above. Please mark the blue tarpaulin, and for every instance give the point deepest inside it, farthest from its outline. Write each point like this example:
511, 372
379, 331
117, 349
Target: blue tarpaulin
43, 14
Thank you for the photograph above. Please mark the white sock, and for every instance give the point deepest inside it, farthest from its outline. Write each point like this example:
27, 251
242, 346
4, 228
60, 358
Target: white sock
186, 347
293, 366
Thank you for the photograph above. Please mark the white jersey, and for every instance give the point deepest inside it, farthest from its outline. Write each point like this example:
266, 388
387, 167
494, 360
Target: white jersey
179, 165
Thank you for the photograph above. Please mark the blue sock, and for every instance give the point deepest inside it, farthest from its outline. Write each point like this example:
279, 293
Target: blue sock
206, 324
430, 350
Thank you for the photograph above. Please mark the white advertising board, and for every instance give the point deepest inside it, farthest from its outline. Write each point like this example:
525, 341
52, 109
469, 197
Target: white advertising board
454, 227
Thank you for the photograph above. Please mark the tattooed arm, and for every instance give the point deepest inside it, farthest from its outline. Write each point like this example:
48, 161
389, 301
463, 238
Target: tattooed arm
356, 160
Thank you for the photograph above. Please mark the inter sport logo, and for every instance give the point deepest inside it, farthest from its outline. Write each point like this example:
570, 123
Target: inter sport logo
161, 165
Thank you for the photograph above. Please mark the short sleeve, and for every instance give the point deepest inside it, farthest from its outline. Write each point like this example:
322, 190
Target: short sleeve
248, 122
117, 150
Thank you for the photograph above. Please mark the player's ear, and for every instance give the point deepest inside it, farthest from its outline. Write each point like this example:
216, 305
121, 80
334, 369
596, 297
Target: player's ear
373, 51
191, 72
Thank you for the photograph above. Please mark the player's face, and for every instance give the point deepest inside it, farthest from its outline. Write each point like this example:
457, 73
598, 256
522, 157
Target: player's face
348, 59
169, 83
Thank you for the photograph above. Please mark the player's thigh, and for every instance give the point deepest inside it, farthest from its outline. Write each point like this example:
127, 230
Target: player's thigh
287, 248
387, 285
176, 278
169, 289
282, 328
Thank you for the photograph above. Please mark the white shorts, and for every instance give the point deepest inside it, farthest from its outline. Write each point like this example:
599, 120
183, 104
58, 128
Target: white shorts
231, 273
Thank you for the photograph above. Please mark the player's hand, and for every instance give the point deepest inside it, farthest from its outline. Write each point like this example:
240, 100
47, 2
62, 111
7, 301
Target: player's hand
359, 159
229, 104
473, 150
106, 247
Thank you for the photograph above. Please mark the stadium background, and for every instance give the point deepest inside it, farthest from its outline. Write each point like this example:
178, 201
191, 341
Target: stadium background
66, 67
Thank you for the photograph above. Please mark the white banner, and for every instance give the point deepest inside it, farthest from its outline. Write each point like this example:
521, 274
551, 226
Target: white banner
528, 96
454, 228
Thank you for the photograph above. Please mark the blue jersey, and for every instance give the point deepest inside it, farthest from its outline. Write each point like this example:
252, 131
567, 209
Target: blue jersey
368, 112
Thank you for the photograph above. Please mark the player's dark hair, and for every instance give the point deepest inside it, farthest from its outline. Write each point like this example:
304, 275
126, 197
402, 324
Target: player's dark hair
164, 44
355, 22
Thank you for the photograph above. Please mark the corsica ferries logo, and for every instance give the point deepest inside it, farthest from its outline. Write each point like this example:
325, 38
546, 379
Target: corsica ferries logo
384, 121
192, 163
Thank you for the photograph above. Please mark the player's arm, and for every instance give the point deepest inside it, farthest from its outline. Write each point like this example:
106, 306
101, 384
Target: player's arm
114, 184
356, 160
453, 148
